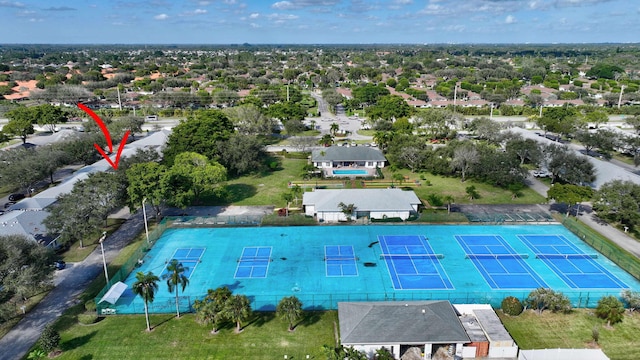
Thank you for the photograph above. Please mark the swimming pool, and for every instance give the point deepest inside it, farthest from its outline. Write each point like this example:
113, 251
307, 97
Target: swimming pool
322, 265
350, 172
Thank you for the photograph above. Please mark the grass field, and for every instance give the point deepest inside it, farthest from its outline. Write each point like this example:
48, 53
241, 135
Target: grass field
556, 330
265, 337
268, 188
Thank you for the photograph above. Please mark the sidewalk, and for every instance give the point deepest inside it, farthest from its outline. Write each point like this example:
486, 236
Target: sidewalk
70, 283
591, 219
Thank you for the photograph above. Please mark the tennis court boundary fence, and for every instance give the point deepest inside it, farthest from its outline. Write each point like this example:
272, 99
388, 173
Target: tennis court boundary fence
162, 305
625, 260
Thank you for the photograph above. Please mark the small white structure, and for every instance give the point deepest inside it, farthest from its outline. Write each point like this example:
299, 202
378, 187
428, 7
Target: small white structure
324, 204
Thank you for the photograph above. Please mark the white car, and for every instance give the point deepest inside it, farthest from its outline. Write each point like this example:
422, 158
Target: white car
541, 173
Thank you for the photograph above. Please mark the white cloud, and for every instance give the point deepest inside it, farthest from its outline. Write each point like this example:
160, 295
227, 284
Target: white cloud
11, 4
282, 17
298, 4
510, 19
283, 5
161, 17
254, 16
254, 25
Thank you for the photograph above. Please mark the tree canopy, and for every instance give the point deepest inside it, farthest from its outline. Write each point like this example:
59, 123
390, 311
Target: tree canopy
200, 133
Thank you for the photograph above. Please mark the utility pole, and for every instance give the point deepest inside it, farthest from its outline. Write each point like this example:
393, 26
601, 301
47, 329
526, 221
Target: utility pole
119, 102
620, 98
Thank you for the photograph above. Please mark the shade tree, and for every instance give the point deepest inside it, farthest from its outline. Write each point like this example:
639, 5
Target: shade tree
619, 201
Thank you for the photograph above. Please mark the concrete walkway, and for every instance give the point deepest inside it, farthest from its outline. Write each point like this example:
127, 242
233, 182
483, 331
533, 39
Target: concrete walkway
591, 219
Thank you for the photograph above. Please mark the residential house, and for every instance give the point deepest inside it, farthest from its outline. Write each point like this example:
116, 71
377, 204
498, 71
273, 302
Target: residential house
348, 156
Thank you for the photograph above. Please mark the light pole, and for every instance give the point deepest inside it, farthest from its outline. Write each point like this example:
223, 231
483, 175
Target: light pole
104, 260
144, 213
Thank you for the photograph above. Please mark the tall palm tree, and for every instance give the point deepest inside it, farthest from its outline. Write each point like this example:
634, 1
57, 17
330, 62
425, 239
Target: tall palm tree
146, 286
290, 309
449, 200
237, 309
334, 128
176, 277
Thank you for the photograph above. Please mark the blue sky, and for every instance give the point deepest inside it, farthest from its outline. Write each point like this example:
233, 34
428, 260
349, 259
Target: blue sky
319, 21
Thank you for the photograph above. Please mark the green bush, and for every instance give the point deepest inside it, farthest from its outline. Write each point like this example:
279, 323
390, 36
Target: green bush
90, 305
87, 318
50, 339
511, 306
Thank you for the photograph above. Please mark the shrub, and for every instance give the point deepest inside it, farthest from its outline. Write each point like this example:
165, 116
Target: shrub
49, 339
90, 305
87, 318
435, 200
511, 306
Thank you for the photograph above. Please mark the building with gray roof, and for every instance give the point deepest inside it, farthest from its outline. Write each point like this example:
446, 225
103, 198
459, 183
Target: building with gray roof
399, 326
348, 156
324, 204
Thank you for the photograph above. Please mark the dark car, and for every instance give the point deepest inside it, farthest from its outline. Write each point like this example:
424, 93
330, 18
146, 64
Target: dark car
16, 197
59, 264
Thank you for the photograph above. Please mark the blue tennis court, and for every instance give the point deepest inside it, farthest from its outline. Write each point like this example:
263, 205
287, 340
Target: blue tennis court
253, 263
340, 260
188, 257
575, 267
498, 262
412, 263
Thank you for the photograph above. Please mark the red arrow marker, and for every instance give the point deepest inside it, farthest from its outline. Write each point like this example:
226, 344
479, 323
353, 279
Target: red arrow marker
107, 136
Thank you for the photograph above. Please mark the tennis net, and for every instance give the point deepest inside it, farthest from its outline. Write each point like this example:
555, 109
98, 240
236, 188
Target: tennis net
566, 256
340, 258
255, 259
496, 256
411, 256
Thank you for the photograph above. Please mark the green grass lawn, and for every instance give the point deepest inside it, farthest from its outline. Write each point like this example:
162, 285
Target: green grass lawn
444, 186
555, 330
265, 337
267, 188
77, 253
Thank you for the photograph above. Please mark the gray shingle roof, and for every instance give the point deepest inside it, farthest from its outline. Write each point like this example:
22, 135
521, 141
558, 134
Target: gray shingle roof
344, 153
414, 322
364, 199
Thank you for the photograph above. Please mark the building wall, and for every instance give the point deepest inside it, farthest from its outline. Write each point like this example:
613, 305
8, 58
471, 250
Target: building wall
370, 350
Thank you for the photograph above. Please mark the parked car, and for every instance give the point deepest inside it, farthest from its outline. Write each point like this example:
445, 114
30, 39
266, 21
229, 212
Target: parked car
59, 264
541, 173
16, 197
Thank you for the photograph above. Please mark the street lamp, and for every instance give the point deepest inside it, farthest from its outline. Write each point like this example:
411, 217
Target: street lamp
144, 213
104, 260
